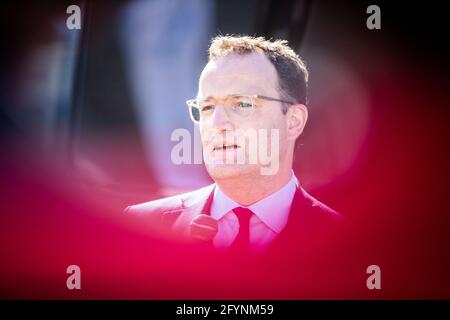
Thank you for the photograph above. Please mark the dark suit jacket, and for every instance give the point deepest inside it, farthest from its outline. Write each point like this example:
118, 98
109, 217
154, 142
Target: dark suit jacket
172, 216
309, 259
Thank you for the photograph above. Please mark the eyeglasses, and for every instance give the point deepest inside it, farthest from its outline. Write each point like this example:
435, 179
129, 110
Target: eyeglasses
236, 106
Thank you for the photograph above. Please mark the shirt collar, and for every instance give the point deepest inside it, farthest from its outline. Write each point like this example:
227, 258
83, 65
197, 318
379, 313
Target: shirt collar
273, 210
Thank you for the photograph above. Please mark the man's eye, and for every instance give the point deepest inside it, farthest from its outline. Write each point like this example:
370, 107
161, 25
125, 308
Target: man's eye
244, 105
207, 108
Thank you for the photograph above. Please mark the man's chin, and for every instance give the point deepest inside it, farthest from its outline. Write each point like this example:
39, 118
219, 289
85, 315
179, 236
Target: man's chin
230, 171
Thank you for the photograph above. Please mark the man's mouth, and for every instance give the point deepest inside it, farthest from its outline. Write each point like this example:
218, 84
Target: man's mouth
225, 147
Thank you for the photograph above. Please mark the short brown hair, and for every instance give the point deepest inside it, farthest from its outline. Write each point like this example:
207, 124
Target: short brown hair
291, 70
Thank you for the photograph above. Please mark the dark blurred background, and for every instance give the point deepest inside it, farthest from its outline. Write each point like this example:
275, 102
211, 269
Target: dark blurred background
95, 108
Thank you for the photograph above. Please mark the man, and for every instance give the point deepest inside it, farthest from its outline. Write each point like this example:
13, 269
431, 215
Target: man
251, 87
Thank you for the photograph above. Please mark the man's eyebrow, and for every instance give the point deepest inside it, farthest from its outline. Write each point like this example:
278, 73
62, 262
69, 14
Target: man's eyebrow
208, 97
228, 95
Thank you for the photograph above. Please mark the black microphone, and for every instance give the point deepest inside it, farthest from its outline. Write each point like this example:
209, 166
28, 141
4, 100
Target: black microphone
204, 227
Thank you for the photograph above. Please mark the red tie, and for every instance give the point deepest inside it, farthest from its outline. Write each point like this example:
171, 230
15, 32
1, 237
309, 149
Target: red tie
242, 240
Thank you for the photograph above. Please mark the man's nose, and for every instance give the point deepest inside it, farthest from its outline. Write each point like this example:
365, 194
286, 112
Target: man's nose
221, 119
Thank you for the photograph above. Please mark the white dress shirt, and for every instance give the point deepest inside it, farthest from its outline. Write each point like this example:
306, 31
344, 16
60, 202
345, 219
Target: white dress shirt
270, 217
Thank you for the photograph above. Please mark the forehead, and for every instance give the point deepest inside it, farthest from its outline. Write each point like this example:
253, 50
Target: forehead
251, 73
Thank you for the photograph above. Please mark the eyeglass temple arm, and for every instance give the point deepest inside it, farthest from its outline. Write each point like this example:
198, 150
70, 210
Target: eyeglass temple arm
274, 99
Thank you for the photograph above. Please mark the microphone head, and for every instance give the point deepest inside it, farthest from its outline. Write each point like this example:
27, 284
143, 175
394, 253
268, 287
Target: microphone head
204, 227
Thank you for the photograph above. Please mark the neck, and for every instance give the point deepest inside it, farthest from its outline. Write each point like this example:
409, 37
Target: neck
248, 189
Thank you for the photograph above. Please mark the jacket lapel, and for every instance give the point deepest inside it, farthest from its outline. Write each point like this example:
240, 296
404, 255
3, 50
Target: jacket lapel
197, 203
299, 208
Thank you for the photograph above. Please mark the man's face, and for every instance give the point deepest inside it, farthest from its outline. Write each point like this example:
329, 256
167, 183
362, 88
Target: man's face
249, 74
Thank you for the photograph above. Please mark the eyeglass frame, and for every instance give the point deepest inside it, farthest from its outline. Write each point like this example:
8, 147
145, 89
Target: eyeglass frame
255, 96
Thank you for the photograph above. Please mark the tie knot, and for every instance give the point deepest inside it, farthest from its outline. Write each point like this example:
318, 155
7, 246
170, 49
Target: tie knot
243, 214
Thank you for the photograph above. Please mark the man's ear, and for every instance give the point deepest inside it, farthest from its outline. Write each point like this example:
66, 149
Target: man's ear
297, 116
